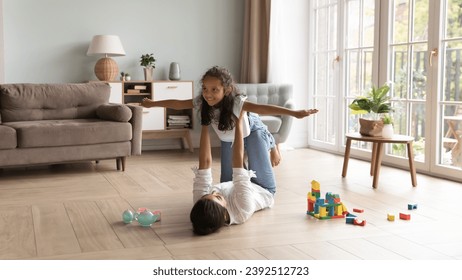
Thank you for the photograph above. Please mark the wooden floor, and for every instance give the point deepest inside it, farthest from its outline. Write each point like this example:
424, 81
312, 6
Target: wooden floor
74, 212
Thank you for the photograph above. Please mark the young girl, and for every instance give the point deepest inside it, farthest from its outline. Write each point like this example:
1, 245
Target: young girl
219, 104
228, 202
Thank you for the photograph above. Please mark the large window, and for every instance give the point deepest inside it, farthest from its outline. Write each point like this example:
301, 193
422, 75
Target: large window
416, 47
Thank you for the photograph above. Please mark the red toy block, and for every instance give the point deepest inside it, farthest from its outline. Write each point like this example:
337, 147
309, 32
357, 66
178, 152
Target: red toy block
358, 222
403, 216
358, 210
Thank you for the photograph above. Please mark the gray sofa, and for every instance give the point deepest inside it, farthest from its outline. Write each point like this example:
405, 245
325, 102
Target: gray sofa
60, 123
274, 94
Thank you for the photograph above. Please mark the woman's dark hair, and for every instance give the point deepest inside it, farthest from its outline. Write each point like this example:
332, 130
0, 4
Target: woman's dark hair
226, 120
207, 216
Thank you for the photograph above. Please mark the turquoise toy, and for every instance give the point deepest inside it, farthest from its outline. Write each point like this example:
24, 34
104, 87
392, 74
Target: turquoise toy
146, 218
128, 216
143, 216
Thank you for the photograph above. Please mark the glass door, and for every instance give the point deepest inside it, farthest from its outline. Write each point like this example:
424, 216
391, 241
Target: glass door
325, 74
407, 60
448, 150
343, 66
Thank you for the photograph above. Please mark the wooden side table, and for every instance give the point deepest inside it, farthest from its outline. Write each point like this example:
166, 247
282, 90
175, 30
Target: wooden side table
377, 151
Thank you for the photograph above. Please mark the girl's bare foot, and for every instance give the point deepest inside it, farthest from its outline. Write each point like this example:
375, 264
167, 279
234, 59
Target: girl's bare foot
275, 156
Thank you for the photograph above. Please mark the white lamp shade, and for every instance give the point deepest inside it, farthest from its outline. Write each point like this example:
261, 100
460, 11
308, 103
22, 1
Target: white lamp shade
108, 45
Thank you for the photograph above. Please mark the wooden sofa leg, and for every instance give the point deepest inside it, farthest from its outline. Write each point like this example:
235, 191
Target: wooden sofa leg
120, 162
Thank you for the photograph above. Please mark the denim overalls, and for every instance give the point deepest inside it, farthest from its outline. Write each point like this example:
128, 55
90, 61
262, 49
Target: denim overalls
257, 146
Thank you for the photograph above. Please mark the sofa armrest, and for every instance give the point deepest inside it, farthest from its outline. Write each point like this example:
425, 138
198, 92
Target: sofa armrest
114, 112
136, 122
284, 131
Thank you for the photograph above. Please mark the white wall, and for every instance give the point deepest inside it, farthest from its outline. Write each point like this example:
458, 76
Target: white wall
47, 40
2, 71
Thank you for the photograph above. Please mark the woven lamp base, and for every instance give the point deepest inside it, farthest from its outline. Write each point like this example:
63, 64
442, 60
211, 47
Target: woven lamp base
106, 69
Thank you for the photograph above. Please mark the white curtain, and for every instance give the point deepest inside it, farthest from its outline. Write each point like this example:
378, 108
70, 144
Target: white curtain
288, 57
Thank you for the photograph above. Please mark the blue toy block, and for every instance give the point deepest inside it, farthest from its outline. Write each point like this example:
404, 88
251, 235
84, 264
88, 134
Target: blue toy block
350, 220
411, 206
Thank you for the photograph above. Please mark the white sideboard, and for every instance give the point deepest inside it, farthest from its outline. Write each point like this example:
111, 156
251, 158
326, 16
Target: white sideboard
159, 123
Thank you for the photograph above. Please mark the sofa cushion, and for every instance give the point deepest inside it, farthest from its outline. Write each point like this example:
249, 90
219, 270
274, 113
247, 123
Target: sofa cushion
31, 102
114, 112
50, 133
7, 137
272, 122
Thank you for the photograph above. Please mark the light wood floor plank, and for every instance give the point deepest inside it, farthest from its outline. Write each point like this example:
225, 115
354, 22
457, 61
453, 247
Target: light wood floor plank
325, 251
282, 253
53, 230
17, 239
91, 227
246, 254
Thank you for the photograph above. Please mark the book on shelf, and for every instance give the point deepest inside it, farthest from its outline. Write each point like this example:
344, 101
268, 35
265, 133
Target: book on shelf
178, 117
178, 121
177, 126
133, 91
140, 87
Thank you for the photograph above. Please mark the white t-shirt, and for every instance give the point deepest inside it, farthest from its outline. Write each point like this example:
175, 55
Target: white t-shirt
243, 197
228, 135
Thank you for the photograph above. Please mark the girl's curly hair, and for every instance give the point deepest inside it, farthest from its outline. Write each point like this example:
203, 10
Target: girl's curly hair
226, 120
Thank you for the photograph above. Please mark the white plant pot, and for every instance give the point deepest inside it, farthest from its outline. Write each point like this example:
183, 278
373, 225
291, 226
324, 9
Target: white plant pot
387, 131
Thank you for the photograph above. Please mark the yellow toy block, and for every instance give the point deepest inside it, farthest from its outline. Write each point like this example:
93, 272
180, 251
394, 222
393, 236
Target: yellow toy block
322, 211
390, 217
315, 185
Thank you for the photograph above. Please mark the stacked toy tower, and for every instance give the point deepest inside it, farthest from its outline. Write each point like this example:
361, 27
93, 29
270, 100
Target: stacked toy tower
330, 207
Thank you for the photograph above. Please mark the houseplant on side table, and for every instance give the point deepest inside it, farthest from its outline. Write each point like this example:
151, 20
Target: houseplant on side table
375, 103
148, 62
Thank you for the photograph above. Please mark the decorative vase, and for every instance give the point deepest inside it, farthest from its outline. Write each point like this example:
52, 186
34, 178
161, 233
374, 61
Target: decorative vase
148, 73
174, 73
370, 127
387, 131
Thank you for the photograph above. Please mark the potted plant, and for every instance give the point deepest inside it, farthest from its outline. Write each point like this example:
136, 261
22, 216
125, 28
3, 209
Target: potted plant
376, 102
148, 62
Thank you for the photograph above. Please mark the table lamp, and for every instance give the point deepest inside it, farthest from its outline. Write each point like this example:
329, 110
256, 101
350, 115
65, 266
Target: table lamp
106, 68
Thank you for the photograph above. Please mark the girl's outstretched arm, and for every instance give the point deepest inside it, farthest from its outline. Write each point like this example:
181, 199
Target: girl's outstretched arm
205, 149
168, 103
266, 109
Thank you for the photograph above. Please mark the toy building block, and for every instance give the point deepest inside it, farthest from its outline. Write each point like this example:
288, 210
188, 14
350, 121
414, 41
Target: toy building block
411, 206
350, 215
358, 222
358, 210
390, 217
350, 220
326, 208
403, 216
315, 186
